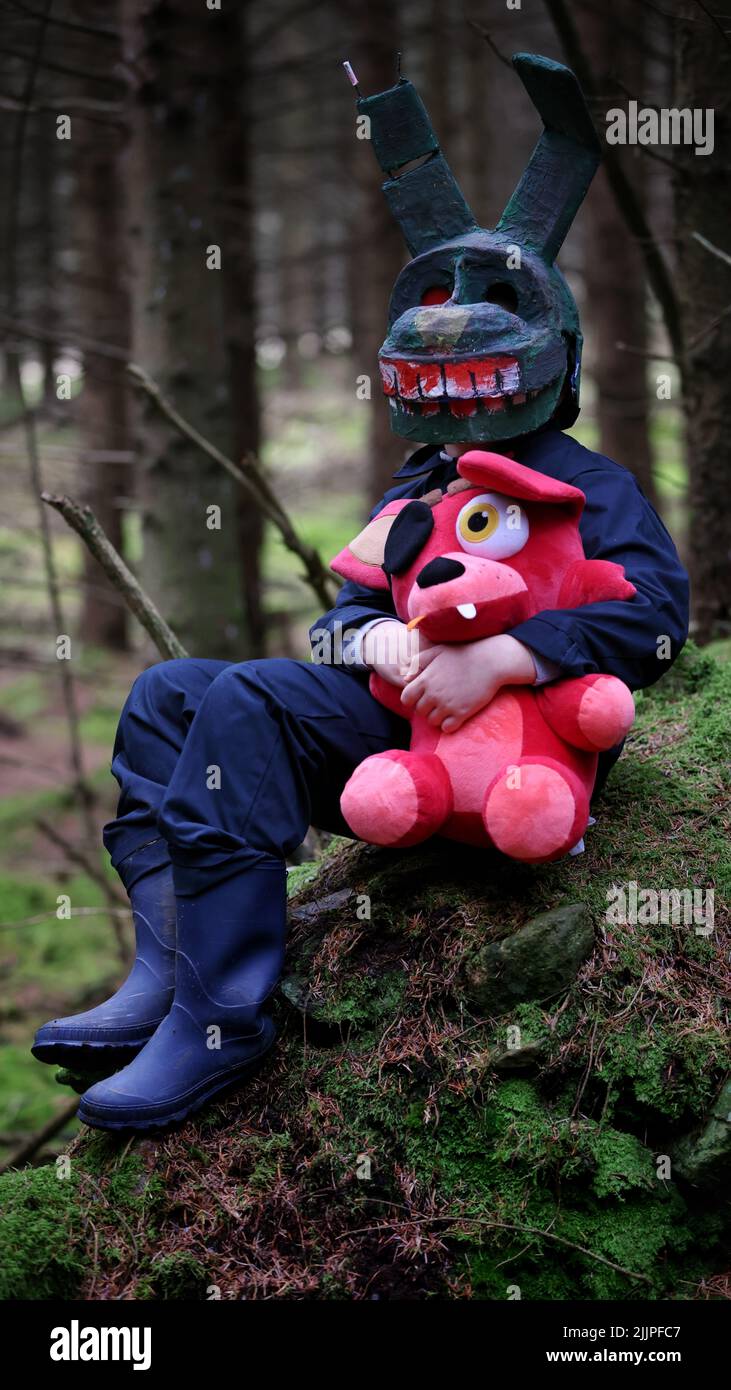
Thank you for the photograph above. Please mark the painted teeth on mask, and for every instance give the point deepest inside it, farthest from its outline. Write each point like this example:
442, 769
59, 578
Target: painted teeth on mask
466, 388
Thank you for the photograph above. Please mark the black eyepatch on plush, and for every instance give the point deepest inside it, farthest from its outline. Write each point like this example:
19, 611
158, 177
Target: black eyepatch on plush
407, 537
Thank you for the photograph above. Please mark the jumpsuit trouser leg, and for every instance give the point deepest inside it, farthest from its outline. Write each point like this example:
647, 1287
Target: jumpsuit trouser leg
222, 768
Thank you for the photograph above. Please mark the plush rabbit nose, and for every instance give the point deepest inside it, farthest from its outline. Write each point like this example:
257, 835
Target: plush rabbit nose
439, 571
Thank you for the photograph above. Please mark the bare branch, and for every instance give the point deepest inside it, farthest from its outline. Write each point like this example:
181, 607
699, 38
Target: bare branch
489, 40
58, 67
249, 475
123, 913
84, 523
77, 856
86, 110
714, 250
62, 23
71, 341
41, 1137
644, 352
714, 20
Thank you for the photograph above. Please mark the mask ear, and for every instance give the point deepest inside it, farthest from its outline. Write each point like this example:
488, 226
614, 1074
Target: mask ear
362, 559
420, 188
562, 164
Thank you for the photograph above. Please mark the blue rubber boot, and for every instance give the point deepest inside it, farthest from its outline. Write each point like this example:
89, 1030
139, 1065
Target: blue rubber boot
112, 1034
229, 959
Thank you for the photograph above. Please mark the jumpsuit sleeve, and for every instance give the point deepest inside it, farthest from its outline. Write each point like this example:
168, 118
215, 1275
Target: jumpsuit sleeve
355, 607
635, 639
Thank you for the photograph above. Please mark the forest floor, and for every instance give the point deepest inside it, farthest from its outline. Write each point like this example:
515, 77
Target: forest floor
431, 1125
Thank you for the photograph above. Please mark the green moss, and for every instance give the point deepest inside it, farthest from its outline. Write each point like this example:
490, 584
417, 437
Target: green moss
265, 1155
47, 1220
667, 1072
527, 1165
179, 1275
516, 1172
299, 875
365, 1000
43, 1254
480, 1180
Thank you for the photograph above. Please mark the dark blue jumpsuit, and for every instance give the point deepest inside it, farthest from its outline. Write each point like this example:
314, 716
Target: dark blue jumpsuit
286, 735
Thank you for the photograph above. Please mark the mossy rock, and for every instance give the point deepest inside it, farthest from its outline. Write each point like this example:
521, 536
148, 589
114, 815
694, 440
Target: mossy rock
704, 1158
537, 961
429, 1138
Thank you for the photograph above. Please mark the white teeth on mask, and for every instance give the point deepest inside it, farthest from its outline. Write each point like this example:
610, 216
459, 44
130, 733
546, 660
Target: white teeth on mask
467, 610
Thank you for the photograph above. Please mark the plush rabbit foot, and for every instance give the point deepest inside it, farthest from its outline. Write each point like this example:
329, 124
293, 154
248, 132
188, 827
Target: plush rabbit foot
535, 810
397, 798
590, 712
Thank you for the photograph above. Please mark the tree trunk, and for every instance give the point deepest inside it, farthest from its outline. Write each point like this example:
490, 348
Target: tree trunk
378, 251
468, 1096
47, 229
192, 320
235, 216
614, 276
703, 205
101, 310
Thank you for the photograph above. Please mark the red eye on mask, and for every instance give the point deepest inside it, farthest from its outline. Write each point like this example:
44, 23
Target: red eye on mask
438, 294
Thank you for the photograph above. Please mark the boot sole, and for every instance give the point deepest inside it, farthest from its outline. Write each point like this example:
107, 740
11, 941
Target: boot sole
74, 1054
172, 1117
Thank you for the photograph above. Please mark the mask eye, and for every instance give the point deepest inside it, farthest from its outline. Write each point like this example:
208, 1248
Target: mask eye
436, 294
492, 526
503, 294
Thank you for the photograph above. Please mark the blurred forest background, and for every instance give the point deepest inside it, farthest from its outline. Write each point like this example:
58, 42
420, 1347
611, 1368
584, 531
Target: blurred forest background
137, 135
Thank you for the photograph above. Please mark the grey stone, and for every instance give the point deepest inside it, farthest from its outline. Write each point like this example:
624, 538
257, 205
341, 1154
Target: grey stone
704, 1158
537, 961
517, 1059
309, 912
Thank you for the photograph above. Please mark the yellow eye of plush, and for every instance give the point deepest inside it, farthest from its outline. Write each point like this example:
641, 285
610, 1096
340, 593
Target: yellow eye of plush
478, 522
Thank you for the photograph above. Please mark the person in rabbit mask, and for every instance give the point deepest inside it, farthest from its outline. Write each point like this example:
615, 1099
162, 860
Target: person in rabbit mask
222, 767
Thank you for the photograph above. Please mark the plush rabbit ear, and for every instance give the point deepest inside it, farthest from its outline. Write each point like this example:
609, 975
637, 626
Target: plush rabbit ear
562, 164
362, 560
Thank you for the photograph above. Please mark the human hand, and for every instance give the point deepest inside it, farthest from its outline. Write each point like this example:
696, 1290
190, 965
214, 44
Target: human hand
461, 678
396, 652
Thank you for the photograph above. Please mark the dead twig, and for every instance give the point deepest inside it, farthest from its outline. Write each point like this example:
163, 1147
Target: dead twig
489, 40
709, 246
36, 1141
249, 475
715, 20
79, 857
69, 341
39, 917
508, 1226
82, 520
